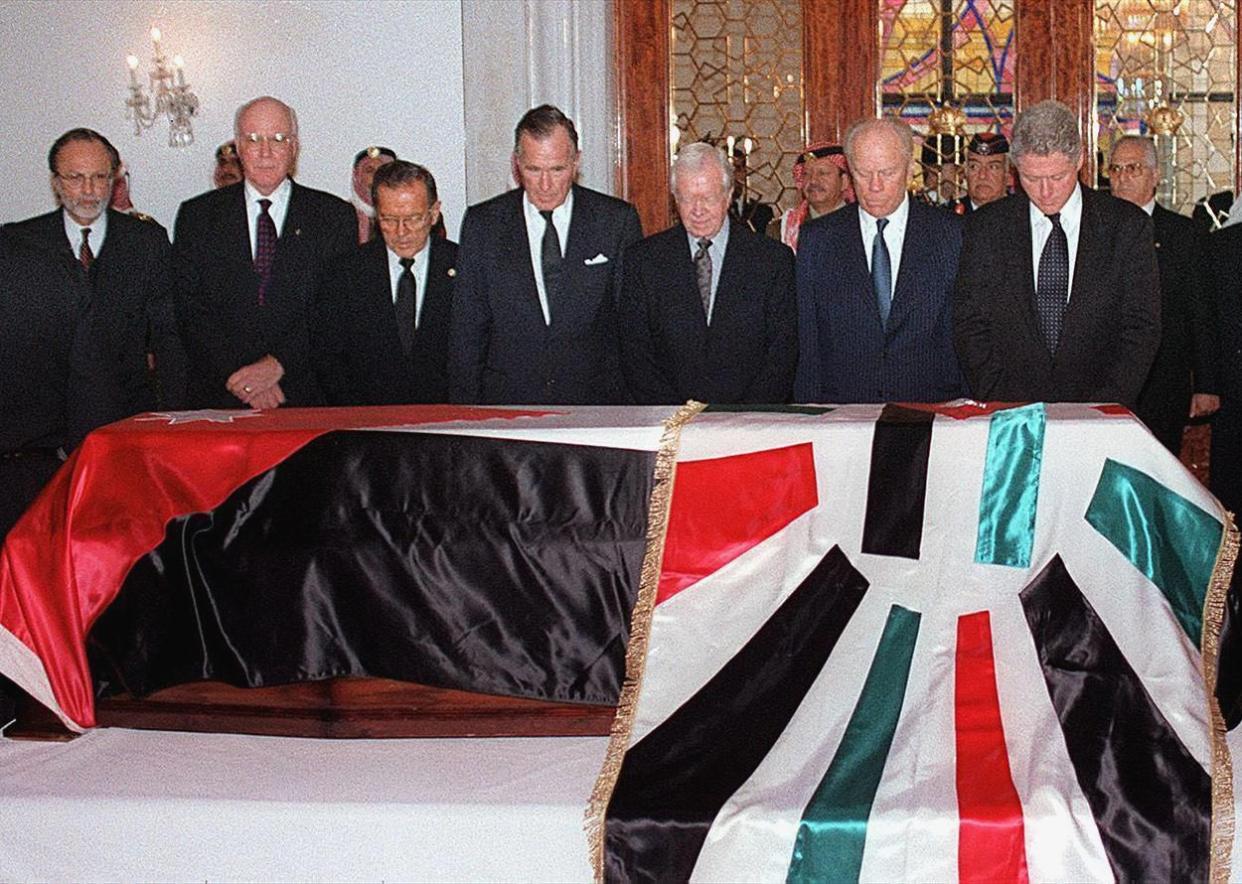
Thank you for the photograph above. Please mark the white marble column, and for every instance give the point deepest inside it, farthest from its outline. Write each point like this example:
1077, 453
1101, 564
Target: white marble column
521, 53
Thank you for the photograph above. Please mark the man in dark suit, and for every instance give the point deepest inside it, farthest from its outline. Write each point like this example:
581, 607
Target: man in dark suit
1225, 262
382, 313
85, 291
708, 308
246, 260
874, 282
1058, 296
534, 315
1182, 381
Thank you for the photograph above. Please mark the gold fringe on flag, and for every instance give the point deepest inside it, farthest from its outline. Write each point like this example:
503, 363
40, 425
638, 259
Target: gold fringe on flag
640, 630
1222, 764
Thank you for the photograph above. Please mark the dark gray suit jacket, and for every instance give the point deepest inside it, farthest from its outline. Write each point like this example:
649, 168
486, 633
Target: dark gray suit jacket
1112, 324
356, 345
668, 351
501, 350
106, 322
216, 289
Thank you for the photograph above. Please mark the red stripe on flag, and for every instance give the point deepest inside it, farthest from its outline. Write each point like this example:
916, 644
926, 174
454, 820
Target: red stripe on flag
964, 410
64, 561
723, 507
990, 841
1113, 410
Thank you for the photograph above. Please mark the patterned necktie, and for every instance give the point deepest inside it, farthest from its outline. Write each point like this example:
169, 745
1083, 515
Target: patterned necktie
85, 255
551, 261
265, 248
881, 272
1052, 285
703, 273
407, 295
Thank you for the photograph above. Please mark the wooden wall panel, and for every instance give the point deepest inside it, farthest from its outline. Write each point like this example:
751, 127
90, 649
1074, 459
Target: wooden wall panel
840, 64
642, 58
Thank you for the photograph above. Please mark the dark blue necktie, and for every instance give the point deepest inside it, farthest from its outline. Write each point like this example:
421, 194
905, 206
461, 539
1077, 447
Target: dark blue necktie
881, 272
1052, 286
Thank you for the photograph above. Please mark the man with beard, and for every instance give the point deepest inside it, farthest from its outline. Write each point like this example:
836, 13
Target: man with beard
82, 288
822, 177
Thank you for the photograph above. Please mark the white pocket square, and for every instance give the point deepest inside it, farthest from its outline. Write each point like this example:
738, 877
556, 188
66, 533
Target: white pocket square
601, 258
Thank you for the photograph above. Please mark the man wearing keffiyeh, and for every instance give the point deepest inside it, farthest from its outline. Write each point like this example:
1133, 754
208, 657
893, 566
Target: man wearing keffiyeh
821, 175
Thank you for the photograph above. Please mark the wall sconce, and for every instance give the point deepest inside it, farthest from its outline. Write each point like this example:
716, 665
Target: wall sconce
173, 98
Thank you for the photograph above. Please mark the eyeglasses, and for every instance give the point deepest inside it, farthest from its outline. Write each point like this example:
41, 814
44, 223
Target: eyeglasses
77, 180
410, 222
276, 139
1126, 168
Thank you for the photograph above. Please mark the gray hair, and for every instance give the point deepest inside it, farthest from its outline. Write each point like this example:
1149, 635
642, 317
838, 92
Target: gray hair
698, 156
893, 125
241, 111
1149, 149
1047, 128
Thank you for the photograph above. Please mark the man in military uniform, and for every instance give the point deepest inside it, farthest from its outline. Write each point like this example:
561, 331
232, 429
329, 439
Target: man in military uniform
987, 172
228, 166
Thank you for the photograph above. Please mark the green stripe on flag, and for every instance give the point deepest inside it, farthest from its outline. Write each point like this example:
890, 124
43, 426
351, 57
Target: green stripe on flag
1011, 487
833, 830
1164, 535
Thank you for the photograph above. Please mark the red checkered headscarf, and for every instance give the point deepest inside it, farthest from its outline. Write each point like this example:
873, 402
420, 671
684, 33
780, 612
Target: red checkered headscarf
817, 150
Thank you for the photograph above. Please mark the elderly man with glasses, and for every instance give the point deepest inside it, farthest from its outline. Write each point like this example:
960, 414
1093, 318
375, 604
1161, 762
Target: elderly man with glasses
1182, 382
246, 261
382, 314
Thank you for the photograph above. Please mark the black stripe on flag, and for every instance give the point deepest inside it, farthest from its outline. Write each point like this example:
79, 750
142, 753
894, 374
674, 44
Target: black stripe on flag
1229, 668
675, 780
897, 485
1150, 798
492, 565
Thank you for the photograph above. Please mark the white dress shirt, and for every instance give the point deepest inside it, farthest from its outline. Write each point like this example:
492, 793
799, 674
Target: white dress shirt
561, 216
419, 268
1041, 228
98, 229
720, 242
894, 235
1149, 207
278, 209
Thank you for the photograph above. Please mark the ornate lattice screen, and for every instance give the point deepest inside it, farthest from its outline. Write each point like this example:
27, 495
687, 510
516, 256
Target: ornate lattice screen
1166, 62
736, 71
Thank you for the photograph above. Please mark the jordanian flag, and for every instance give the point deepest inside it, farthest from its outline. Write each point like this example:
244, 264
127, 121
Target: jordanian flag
887, 644
486, 549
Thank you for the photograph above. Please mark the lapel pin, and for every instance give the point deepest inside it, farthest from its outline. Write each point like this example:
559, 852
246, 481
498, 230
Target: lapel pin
452, 271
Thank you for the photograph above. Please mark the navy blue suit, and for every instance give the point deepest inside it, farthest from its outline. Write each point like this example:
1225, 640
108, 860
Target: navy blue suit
845, 352
500, 349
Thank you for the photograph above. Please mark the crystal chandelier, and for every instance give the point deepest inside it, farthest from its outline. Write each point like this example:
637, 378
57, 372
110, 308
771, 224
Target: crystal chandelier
172, 96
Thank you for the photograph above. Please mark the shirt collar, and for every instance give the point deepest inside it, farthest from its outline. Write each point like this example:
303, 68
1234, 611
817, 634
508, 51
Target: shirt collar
1070, 213
896, 218
560, 214
279, 196
73, 230
1150, 206
394, 260
719, 238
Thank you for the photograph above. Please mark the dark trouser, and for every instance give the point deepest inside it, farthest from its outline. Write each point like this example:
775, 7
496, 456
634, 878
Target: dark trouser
22, 477
1226, 468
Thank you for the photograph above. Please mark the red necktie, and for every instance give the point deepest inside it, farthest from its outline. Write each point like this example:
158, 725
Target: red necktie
265, 248
85, 255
